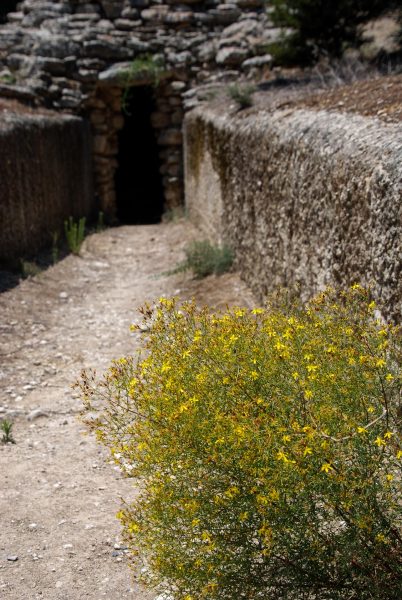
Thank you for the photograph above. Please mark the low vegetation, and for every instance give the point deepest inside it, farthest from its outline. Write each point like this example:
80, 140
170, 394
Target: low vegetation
204, 258
242, 94
322, 27
6, 427
75, 234
267, 448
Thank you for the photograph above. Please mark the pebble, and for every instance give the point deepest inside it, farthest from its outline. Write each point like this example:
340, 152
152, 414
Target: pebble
36, 414
12, 558
63, 295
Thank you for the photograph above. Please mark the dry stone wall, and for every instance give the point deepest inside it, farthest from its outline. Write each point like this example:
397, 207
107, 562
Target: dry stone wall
304, 197
43, 181
77, 56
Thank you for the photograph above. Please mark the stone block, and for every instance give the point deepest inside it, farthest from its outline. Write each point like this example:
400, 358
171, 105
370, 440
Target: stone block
160, 120
170, 137
232, 56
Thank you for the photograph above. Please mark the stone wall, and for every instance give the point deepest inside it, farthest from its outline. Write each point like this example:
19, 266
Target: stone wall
46, 176
77, 56
303, 197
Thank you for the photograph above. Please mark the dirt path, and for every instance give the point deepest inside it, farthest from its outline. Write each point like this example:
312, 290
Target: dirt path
59, 538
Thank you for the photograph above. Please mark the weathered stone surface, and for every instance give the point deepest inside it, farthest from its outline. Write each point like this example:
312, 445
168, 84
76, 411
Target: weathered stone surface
53, 46
77, 56
46, 175
170, 137
319, 203
160, 120
231, 56
112, 8
105, 49
257, 61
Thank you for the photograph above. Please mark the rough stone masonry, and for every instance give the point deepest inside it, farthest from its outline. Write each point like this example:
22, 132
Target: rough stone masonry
77, 56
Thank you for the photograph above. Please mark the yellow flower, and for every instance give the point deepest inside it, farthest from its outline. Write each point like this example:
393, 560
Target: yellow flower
389, 377
380, 362
274, 495
327, 468
232, 492
389, 477
361, 430
388, 435
380, 441
307, 451
308, 394
282, 456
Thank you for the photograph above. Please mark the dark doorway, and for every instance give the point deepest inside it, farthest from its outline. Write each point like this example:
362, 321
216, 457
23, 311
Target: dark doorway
139, 191
7, 6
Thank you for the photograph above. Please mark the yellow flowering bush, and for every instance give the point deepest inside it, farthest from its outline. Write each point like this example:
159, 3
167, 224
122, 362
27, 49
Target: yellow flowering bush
267, 449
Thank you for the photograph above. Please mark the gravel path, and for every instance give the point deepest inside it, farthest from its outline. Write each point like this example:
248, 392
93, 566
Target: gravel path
59, 493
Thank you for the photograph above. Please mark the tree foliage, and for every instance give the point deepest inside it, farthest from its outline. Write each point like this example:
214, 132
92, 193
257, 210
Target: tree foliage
324, 26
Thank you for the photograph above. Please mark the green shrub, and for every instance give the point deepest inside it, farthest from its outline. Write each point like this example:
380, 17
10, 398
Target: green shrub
204, 258
29, 268
321, 26
267, 447
6, 427
146, 68
242, 94
75, 234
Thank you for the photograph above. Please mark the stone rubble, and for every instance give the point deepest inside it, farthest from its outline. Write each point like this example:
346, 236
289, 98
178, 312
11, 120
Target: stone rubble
77, 56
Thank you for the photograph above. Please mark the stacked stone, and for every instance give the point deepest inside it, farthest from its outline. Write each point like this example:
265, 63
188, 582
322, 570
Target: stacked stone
75, 55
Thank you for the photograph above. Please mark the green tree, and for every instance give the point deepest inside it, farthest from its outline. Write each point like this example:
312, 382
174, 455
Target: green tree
323, 26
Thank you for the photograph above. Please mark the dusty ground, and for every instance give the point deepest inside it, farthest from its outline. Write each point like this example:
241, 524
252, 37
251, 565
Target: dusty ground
380, 97
59, 493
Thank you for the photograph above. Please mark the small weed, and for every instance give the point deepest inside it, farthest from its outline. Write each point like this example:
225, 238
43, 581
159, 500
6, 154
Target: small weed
55, 247
203, 258
75, 233
100, 225
6, 427
242, 94
173, 215
146, 67
29, 269
8, 79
